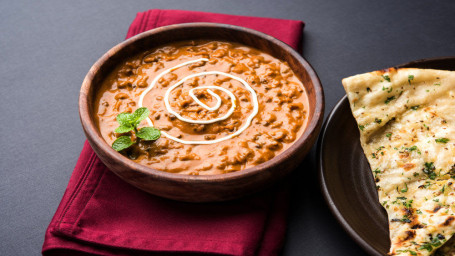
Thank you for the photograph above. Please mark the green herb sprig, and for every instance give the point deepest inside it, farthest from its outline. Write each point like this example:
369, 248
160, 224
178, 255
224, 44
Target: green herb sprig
410, 78
410, 252
404, 190
389, 99
442, 140
128, 122
429, 170
386, 77
433, 244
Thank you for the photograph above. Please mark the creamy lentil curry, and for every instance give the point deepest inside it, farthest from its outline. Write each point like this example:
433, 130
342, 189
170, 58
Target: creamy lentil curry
221, 107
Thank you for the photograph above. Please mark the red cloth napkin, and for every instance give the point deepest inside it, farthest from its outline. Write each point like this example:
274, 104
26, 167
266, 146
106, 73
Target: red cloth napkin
102, 215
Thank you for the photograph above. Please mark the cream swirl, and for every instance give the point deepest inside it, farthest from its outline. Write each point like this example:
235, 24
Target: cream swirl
217, 105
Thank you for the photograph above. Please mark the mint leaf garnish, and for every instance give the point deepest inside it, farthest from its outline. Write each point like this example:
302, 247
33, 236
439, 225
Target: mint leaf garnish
128, 123
124, 128
122, 143
149, 133
124, 118
139, 115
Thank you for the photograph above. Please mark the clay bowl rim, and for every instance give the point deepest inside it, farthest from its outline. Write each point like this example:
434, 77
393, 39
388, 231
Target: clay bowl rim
93, 135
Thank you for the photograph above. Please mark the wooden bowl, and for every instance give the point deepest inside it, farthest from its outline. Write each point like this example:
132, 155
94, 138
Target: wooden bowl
204, 188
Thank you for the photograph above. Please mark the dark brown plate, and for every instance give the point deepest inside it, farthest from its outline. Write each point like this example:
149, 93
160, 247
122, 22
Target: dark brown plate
346, 178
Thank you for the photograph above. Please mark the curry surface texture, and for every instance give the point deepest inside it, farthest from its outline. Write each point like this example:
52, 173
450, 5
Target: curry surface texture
281, 118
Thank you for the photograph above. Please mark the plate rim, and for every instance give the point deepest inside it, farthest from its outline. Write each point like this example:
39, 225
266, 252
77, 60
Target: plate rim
325, 192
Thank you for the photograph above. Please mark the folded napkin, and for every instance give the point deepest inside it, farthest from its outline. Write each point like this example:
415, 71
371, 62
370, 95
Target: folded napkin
100, 214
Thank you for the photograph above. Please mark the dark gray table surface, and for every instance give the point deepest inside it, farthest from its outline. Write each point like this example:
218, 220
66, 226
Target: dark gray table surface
47, 47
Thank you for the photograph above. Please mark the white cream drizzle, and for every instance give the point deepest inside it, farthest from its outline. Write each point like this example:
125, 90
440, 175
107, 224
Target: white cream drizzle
218, 99
217, 105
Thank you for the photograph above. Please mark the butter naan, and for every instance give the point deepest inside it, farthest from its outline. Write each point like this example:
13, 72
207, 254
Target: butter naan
406, 119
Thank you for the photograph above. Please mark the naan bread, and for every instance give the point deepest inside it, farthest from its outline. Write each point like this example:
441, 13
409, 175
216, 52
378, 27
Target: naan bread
406, 119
